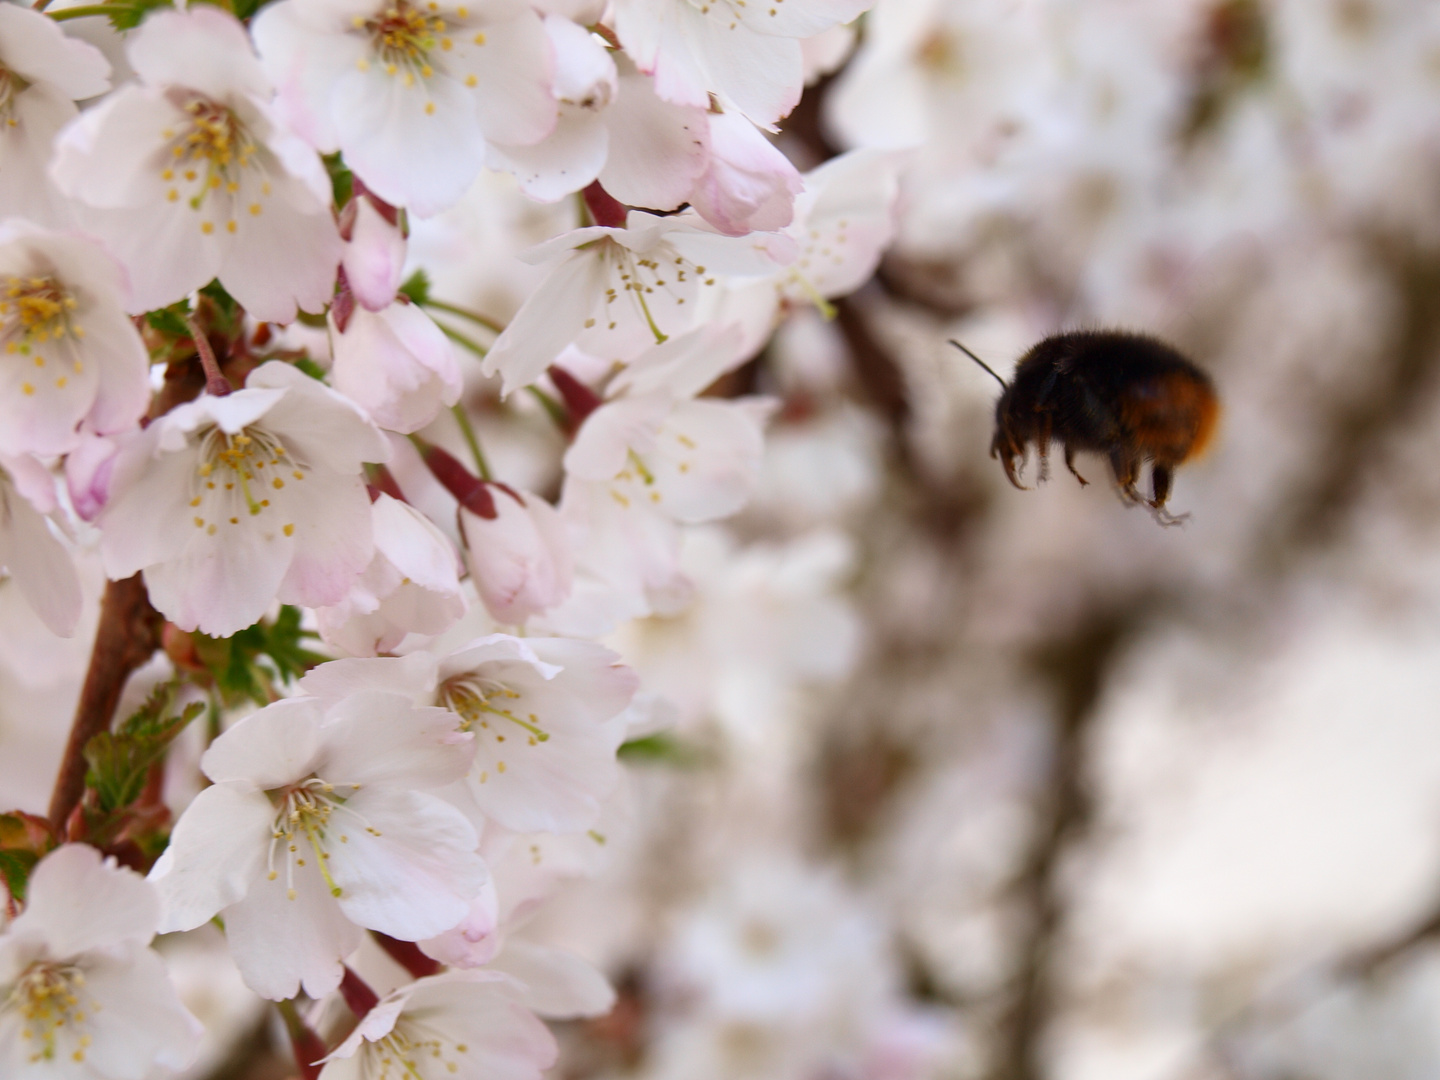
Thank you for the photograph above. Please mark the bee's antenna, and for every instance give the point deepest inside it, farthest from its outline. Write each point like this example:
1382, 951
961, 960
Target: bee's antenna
1003, 384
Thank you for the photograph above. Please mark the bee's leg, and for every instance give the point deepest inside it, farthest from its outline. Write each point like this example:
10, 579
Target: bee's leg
1160, 479
1070, 464
1043, 442
1008, 452
1126, 467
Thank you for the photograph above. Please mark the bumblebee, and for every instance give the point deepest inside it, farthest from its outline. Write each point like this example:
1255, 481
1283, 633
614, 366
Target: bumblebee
1127, 396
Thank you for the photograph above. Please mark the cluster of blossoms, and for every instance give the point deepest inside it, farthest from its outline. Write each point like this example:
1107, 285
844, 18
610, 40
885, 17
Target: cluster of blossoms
227, 387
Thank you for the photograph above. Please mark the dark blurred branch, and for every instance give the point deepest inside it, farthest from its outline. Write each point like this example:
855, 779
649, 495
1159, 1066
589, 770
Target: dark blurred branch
1362, 425
1078, 668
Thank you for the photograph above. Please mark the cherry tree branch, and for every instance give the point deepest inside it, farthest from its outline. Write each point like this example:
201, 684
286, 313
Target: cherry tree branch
127, 637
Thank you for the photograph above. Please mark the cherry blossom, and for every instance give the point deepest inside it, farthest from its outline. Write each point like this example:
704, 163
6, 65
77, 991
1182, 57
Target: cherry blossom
612, 126
374, 256
614, 291
519, 559
411, 586
750, 186
547, 714
42, 74
320, 821
29, 552
71, 355
189, 176
410, 93
456, 1026
82, 996
228, 503
748, 56
396, 364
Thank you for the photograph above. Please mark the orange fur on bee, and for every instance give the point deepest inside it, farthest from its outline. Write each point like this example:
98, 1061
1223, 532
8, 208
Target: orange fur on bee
1174, 421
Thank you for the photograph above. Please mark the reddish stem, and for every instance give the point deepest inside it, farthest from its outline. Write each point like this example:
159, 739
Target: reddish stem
579, 399
604, 207
470, 490
310, 1049
408, 955
357, 994
216, 384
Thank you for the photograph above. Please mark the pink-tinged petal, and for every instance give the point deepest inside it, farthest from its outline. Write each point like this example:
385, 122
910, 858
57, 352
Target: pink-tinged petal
77, 902
760, 74
848, 212
272, 289
549, 320
603, 445
411, 541
38, 562
149, 493
223, 581
374, 258
514, 73
417, 145
800, 18
750, 186
289, 933
141, 1022
268, 749
707, 461
124, 131
41, 407
123, 368
520, 560
558, 985
568, 159
505, 1040
33, 46
304, 59
413, 872
324, 427
683, 366
412, 676
373, 737
397, 365
202, 49
333, 543
216, 853
658, 150
88, 469
37, 115
474, 941
135, 234
596, 686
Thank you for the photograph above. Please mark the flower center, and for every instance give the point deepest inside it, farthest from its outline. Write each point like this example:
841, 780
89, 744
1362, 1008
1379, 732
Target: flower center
303, 821
476, 700
398, 1054
33, 311
238, 474
675, 277
47, 998
402, 37
214, 154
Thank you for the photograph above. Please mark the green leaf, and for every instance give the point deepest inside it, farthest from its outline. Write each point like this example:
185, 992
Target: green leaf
120, 760
24, 839
342, 180
417, 287
661, 748
170, 320
248, 664
224, 303
311, 368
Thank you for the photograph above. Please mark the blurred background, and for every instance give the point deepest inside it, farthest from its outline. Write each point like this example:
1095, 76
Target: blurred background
1018, 784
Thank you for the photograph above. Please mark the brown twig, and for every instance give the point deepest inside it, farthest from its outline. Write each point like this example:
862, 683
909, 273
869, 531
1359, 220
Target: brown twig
127, 637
